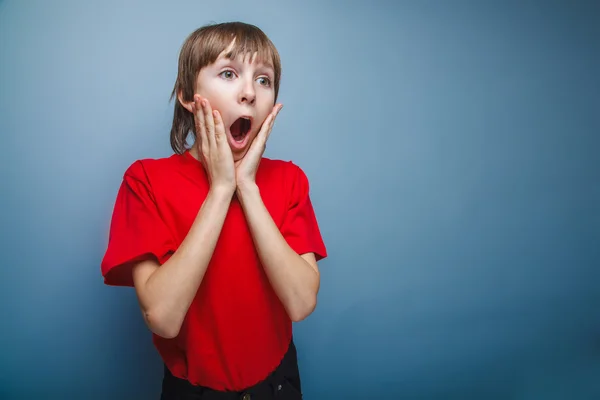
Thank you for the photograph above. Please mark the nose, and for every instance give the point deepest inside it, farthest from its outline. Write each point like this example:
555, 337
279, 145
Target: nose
247, 94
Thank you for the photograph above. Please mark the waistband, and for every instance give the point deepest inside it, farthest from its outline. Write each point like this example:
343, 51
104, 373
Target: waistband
285, 378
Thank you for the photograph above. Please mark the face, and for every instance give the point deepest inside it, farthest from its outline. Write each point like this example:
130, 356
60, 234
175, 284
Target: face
242, 90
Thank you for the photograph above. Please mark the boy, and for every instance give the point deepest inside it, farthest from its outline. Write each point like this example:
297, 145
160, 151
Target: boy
220, 243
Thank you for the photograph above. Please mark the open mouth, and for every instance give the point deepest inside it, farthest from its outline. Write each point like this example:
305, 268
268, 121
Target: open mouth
240, 129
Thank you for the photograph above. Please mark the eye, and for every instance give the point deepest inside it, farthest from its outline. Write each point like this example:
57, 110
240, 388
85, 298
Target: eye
228, 74
263, 80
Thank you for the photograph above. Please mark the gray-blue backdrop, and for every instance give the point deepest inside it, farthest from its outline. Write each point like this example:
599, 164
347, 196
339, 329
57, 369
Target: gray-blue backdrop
453, 150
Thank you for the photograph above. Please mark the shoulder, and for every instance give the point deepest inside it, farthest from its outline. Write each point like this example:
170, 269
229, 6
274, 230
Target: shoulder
148, 169
287, 169
285, 177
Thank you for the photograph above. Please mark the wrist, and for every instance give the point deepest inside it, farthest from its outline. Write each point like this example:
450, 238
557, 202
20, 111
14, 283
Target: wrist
224, 193
246, 189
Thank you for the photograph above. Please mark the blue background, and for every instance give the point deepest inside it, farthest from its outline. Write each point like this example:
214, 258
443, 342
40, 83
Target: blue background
453, 152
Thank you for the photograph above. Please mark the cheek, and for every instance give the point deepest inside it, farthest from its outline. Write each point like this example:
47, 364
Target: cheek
207, 92
215, 93
266, 110
261, 119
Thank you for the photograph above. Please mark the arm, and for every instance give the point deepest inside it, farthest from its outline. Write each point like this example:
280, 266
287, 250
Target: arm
294, 278
166, 292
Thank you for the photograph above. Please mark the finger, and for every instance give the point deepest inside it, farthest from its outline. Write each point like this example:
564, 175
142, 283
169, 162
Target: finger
275, 112
266, 126
199, 120
278, 108
260, 142
220, 137
273, 115
209, 122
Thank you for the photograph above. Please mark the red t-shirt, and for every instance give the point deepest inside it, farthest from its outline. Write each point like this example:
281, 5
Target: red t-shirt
236, 330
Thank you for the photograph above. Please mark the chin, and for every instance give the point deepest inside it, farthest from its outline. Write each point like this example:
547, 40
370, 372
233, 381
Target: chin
238, 156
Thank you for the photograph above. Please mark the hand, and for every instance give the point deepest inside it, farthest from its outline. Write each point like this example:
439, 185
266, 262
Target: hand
213, 149
245, 169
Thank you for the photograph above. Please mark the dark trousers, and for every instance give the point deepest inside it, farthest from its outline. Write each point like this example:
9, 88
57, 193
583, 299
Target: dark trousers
281, 384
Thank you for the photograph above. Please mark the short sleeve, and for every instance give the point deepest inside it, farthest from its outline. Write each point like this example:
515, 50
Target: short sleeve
137, 231
300, 228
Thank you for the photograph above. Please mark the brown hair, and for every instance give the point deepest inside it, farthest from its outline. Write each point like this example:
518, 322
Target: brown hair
202, 48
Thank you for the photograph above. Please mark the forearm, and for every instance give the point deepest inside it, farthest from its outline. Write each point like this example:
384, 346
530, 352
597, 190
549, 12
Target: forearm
170, 289
294, 280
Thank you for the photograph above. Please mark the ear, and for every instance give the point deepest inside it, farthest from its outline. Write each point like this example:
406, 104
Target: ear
186, 105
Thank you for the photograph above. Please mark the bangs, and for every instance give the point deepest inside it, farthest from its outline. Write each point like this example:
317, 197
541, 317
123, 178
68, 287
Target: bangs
263, 50
236, 40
